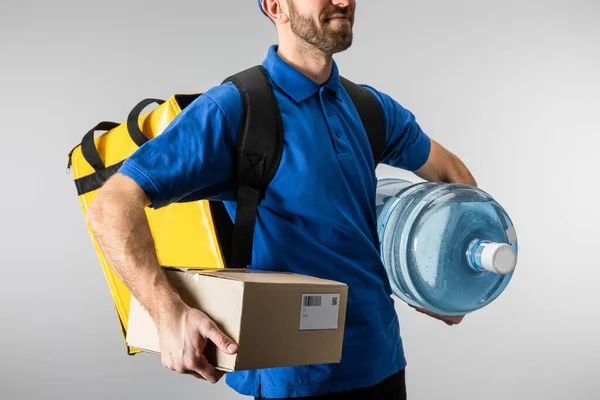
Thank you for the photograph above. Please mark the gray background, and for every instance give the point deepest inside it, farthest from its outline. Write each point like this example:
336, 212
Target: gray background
512, 87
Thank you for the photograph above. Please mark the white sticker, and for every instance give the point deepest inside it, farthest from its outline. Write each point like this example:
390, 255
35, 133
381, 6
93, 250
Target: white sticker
319, 311
511, 234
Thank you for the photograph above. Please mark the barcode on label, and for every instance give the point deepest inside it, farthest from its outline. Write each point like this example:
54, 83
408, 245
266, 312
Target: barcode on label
312, 301
319, 311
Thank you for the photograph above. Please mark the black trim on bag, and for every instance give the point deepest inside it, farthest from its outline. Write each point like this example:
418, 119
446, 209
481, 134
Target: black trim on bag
95, 181
185, 100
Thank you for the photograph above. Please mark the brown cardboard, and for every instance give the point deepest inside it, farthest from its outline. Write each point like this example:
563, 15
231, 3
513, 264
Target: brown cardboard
269, 314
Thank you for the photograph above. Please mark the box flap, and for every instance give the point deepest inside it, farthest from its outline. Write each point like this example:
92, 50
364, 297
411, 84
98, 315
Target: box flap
264, 276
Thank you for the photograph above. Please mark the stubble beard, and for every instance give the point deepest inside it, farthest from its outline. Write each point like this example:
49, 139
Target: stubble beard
323, 37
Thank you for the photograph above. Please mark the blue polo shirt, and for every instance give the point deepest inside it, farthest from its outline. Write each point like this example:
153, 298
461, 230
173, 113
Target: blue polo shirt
317, 218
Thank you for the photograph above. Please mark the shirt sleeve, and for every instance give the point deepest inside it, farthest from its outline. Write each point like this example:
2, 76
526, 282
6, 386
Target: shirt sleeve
407, 146
192, 158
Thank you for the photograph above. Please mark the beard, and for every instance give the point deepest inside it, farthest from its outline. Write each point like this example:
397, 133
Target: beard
329, 36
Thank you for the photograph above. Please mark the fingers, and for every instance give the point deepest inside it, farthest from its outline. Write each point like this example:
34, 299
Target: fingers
211, 331
196, 375
197, 366
217, 376
448, 320
454, 320
183, 345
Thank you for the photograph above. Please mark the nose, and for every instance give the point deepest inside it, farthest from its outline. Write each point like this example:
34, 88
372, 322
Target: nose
343, 3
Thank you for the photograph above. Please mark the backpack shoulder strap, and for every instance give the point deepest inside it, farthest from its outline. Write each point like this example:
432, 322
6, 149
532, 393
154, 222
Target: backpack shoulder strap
371, 114
258, 153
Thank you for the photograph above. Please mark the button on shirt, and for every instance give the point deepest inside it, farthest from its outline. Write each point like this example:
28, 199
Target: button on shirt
317, 217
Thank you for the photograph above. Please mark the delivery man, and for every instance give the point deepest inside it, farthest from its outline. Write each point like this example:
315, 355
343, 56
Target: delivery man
317, 217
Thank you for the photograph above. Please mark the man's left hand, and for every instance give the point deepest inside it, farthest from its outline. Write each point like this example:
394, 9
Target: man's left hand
448, 320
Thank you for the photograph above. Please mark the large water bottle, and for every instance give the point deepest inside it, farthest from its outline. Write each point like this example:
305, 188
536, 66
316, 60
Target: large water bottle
448, 248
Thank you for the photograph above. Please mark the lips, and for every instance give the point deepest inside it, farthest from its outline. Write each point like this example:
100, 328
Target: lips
338, 17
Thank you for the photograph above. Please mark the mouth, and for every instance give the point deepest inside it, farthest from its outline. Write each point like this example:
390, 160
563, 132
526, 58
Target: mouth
338, 18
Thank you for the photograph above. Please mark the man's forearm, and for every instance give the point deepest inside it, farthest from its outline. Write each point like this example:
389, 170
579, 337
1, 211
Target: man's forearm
459, 173
444, 166
120, 226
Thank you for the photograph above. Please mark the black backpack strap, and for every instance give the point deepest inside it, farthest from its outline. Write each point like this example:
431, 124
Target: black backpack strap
371, 114
258, 154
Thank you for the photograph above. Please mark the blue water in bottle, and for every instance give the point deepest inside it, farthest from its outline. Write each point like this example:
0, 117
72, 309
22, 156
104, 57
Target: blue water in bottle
449, 248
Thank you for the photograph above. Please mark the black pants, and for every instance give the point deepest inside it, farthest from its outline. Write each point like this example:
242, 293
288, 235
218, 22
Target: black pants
392, 388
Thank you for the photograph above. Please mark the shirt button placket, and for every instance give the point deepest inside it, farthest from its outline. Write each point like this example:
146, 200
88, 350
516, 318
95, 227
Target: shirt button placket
327, 108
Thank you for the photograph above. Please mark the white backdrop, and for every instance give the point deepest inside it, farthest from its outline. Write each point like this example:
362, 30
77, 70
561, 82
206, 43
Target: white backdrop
511, 87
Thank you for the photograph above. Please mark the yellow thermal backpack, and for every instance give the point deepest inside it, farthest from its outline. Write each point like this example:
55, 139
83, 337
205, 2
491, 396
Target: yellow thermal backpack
200, 234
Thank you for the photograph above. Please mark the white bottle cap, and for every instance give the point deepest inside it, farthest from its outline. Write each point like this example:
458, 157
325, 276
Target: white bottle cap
499, 258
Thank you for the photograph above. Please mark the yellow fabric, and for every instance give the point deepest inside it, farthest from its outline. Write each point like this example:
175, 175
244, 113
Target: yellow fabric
184, 233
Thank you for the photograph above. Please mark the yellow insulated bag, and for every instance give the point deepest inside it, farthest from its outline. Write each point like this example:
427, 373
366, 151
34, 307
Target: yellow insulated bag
200, 234
184, 233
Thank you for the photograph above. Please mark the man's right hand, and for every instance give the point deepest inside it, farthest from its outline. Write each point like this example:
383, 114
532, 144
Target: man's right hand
184, 333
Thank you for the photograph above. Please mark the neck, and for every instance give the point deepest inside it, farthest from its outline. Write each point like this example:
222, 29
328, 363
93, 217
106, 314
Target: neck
305, 58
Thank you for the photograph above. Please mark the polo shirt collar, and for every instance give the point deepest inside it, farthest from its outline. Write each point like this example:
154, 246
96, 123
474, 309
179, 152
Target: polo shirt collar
293, 82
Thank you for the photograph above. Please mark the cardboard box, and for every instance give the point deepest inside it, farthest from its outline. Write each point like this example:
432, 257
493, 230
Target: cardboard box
278, 319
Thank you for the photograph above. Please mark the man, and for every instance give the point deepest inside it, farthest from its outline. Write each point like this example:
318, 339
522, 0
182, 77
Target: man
317, 217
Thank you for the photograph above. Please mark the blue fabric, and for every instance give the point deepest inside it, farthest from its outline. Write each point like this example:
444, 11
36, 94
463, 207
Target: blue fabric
318, 215
261, 7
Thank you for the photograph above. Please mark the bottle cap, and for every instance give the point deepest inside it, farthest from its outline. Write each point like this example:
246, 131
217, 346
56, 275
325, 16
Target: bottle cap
499, 258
